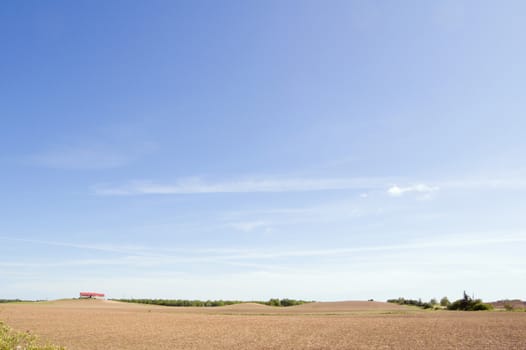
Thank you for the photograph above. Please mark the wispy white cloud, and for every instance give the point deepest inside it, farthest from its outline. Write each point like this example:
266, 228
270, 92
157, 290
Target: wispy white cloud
248, 226
80, 158
146, 255
397, 191
197, 269
90, 155
113, 248
517, 182
196, 185
367, 185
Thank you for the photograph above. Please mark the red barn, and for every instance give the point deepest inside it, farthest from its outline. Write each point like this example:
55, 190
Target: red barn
91, 295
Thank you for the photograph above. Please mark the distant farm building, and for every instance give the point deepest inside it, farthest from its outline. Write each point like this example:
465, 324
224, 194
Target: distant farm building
90, 295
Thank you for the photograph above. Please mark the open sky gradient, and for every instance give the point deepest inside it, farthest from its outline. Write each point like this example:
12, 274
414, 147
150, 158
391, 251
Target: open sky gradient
322, 150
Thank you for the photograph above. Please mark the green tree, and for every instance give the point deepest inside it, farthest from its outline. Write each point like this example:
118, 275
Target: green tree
444, 301
274, 302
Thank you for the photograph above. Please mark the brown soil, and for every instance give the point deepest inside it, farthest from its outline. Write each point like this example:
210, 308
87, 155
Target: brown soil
95, 324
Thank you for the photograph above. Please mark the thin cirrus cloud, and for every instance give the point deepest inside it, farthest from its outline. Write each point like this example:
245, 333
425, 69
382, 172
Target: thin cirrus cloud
248, 226
368, 186
195, 186
90, 156
80, 158
150, 256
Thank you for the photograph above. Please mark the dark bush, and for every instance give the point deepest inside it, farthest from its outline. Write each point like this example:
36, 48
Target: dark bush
468, 303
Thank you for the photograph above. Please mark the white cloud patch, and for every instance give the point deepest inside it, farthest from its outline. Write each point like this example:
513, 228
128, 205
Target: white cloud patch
397, 191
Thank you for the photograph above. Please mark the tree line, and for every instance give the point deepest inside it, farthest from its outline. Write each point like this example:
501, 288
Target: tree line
211, 303
467, 303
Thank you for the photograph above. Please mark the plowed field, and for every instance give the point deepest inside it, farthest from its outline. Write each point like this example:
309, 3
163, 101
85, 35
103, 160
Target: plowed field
95, 324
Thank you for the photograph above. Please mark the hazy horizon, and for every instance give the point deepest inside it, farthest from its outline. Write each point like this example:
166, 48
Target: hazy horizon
340, 150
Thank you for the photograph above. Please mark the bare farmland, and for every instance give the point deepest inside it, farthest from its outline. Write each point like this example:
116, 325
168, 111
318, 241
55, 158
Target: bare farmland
95, 324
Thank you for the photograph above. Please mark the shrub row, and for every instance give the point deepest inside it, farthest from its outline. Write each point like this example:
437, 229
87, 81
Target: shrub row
10, 300
284, 302
210, 303
413, 302
181, 302
465, 304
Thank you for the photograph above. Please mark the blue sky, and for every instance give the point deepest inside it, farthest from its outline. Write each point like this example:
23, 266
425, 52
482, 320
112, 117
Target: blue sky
256, 149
